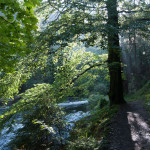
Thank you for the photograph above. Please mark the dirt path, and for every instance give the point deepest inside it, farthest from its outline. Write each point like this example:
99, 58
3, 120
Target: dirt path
130, 130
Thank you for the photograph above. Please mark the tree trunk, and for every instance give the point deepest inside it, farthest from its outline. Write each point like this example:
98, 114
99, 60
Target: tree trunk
135, 66
114, 58
130, 57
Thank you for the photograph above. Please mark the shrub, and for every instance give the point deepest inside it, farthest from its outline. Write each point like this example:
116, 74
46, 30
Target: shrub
97, 101
83, 143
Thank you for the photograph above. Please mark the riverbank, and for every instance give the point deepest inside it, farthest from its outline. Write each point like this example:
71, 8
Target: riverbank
91, 132
75, 110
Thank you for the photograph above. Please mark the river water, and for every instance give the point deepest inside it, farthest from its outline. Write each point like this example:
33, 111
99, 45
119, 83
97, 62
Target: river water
75, 110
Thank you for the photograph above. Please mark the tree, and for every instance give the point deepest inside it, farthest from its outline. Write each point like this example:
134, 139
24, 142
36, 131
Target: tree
96, 23
91, 22
18, 25
90, 29
37, 106
75, 22
114, 55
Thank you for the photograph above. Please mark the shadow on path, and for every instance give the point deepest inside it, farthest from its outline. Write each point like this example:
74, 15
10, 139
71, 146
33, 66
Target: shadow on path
129, 130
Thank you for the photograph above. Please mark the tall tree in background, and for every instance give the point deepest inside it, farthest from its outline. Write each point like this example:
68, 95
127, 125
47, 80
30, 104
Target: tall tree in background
135, 30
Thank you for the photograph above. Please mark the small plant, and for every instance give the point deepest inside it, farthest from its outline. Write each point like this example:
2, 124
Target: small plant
140, 94
97, 101
83, 143
147, 104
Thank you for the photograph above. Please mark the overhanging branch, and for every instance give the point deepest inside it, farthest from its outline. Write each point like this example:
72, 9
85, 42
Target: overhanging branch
80, 74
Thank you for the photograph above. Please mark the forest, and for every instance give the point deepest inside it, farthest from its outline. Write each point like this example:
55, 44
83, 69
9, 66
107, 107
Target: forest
74, 74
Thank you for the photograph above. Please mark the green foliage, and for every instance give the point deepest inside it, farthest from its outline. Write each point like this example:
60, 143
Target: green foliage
37, 106
39, 116
136, 21
140, 94
100, 121
17, 25
10, 83
101, 86
93, 128
72, 22
147, 104
83, 143
74, 69
27, 103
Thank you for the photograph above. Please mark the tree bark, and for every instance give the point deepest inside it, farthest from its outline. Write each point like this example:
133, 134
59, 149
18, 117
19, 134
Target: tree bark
114, 55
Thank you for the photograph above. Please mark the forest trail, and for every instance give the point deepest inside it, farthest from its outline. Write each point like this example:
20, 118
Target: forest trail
130, 129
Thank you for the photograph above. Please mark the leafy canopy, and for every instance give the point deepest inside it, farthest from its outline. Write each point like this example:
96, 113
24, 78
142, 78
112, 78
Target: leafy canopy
17, 25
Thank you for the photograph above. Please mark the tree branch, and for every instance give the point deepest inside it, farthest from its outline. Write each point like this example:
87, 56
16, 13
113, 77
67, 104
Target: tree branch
135, 11
7, 20
10, 23
80, 74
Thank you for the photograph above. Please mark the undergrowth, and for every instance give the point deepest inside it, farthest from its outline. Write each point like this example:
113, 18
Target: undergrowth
90, 133
147, 105
140, 94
